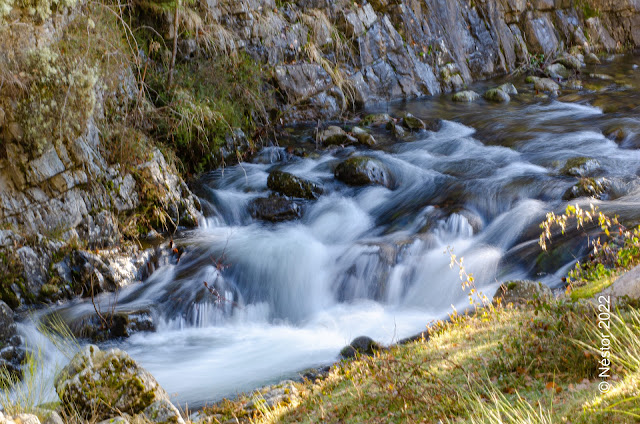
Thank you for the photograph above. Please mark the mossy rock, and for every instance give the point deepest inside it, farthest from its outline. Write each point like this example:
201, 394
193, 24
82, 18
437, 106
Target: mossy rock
587, 187
363, 136
466, 96
377, 119
335, 136
289, 185
413, 123
96, 383
508, 88
362, 170
497, 96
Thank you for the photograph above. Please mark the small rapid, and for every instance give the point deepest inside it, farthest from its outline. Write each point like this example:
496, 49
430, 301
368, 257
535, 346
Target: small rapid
370, 260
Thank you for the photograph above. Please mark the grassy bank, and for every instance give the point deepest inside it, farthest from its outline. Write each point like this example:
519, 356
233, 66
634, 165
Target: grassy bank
534, 364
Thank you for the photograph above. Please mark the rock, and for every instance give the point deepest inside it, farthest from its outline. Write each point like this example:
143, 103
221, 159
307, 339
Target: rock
434, 125
363, 136
377, 119
521, 292
580, 167
162, 412
508, 88
557, 71
497, 95
413, 123
289, 185
361, 170
335, 136
121, 324
573, 84
275, 209
12, 351
283, 393
628, 284
7, 325
396, 129
99, 230
21, 419
362, 345
96, 383
52, 418
465, 96
587, 187
115, 420
592, 59
543, 84
603, 77
313, 374
570, 62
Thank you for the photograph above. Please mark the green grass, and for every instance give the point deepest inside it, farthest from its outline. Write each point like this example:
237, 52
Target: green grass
591, 288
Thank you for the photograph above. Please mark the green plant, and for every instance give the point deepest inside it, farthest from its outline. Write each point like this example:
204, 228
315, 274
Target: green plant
490, 406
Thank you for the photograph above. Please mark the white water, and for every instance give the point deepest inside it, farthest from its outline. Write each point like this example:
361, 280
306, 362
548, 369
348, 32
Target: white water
360, 261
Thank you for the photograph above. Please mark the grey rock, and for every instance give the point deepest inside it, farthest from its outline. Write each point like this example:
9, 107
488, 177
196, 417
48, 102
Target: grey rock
508, 88
335, 136
53, 418
413, 123
520, 292
290, 185
362, 345
628, 284
557, 71
363, 136
580, 167
496, 95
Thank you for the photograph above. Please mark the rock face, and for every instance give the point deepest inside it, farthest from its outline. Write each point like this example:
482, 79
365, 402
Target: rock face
103, 384
289, 185
520, 292
360, 170
410, 49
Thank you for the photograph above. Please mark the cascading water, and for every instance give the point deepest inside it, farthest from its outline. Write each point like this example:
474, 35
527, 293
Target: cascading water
363, 261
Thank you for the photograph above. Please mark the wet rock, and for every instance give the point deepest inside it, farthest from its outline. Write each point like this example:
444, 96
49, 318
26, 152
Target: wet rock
543, 84
434, 125
377, 119
465, 96
508, 88
120, 324
363, 136
289, 185
12, 352
362, 345
413, 123
587, 187
96, 383
580, 167
275, 209
91, 274
99, 230
396, 129
602, 77
573, 84
496, 95
521, 292
362, 170
557, 71
335, 136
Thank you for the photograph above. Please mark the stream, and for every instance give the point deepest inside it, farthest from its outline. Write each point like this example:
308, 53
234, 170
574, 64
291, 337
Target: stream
371, 260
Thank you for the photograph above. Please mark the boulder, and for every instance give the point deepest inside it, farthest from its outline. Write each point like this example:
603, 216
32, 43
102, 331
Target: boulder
275, 209
362, 345
362, 170
521, 292
465, 96
19, 419
289, 185
283, 393
102, 384
121, 324
363, 136
580, 167
570, 61
628, 284
12, 352
335, 136
413, 123
497, 95
592, 59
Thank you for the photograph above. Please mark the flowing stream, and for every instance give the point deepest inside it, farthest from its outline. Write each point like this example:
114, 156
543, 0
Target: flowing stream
371, 260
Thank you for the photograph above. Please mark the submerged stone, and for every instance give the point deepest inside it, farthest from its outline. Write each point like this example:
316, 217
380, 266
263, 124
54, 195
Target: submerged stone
363, 136
580, 166
587, 187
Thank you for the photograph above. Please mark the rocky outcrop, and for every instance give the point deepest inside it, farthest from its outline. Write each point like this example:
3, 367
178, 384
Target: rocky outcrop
102, 384
327, 54
12, 352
